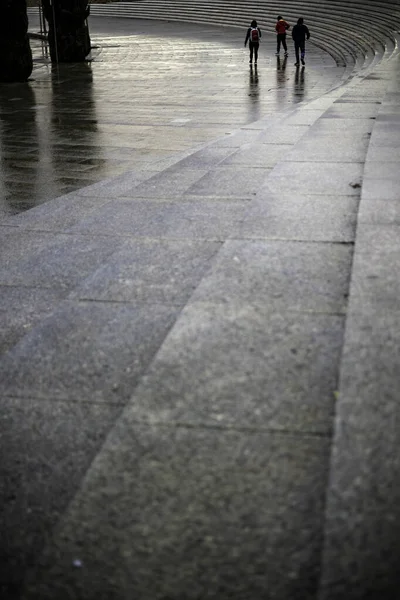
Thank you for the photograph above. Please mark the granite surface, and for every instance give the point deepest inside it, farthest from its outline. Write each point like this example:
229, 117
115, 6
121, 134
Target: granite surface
199, 378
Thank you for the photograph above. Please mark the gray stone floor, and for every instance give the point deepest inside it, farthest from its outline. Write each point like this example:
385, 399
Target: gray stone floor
198, 379
152, 91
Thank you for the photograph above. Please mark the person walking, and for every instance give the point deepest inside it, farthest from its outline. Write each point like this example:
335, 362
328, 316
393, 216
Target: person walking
299, 34
253, 36
281, 28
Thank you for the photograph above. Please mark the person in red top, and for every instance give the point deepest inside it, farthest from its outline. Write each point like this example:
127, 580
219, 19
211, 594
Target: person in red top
281, 28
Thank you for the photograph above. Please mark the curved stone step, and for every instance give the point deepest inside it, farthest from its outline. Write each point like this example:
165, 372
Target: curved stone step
338, 26
333, 24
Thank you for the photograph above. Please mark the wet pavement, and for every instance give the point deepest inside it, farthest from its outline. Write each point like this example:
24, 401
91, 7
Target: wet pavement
194, 345
152, 91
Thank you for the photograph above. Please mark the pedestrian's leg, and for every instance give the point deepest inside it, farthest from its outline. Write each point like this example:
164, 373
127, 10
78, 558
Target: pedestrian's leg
284, 43
256, 53
296, 49
303, 52
251, 51
278, 43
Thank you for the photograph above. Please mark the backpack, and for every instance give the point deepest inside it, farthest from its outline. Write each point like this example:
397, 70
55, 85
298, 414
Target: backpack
254, 35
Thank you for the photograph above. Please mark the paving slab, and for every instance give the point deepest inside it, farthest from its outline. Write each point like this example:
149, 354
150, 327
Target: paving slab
301, 217
313, 148
330, 178
385, 188
283, 135
208, 157
280, 275
363, 496
46, 447
256, 154
355, 110
361, 543
376, 284
238, 182
170, 183
383, 212
61, 214
21, 308
208, 294
16, 248
151, 272
86, 352
212, 507
245, 366
60, 264
354, 125
176, 219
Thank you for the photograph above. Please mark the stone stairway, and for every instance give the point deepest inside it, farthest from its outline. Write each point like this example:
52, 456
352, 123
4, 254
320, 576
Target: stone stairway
351, 32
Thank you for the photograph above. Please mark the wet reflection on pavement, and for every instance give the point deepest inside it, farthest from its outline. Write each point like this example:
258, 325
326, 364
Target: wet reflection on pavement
150, 92
254, 94
299, 83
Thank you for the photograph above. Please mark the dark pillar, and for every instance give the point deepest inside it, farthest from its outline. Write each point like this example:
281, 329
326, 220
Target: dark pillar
15, 51
68, 31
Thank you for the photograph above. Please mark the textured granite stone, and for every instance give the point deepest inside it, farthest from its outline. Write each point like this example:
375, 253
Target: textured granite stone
355, 110
283, 134
241, 529
392, 96
150, 271
339, 127
170, 183
187, 513
372, 383
42, 211
257, 154
301, 217
389, 112
327, 178
89, 352
236, 139
21, 308
361, 535
384, 188
314, 148
45, 449
244, 366
304, 117
381, 171
55, 215
62, 264
381, 154
163, 160
214, 220
363, 95
279, 275
17, 246
389, 117
235, 182
386, 135
206, 158
375, 212
323, 103
375, 282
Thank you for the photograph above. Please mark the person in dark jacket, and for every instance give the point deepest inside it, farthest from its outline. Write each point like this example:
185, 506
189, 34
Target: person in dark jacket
299, 34
253, 36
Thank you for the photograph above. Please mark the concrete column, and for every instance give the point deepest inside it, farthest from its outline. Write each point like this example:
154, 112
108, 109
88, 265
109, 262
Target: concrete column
68, 30
15, 52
